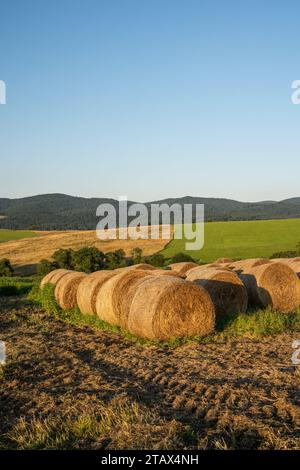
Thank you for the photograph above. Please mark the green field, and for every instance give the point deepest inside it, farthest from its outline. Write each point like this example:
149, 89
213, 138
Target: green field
240, 240
7, 235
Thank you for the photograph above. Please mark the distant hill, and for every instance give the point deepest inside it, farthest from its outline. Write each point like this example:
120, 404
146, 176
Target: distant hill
63, 212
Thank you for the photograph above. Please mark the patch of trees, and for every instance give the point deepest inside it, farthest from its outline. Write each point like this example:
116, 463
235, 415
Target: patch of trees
181, 258
90, 259
62, 212
86, 259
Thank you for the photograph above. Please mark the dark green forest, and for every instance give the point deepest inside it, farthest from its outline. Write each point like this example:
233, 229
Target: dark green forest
63, 212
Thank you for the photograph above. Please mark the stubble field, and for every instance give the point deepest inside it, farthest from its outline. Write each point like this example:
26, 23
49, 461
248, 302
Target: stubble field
71, 386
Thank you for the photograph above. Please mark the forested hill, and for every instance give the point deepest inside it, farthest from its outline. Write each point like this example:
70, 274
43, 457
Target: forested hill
62, 212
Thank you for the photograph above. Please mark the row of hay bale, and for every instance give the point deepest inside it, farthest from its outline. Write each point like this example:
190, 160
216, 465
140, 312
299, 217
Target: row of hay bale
181, 301
150, 303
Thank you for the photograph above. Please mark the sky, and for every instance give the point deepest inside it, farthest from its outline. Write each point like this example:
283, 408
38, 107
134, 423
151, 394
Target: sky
150, 99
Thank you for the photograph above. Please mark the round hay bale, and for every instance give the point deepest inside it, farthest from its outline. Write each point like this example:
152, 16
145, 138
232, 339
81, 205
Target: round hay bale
198, 268
224, 261
127, 287
226, 290
272, 285
88, 289
114, 292
166, 307
183, 267
204, 267
296, 268
286, 260
282, 260
53, 277
133, 267
209, 265
120, 270
144, 266
66, 289
222, 268
294, 264
164, 272
245, 264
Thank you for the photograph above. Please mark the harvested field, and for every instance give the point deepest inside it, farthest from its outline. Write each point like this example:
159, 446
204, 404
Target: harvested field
26, 253
237, 394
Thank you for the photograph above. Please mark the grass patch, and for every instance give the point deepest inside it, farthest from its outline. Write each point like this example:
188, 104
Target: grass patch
260, 323
16, 285
8, 235
240, 240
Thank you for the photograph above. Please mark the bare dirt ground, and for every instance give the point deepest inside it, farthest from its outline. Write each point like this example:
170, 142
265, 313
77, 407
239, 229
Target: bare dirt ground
27, 252
243, 393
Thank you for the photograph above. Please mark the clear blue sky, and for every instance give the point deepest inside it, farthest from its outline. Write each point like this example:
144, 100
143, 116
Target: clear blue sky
150, 99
